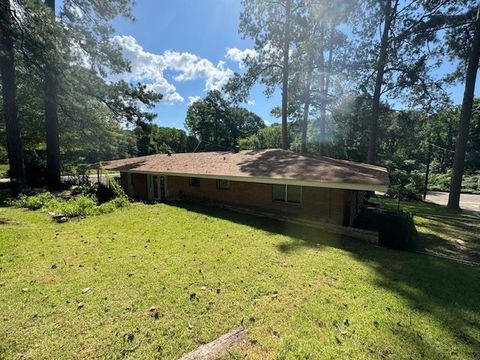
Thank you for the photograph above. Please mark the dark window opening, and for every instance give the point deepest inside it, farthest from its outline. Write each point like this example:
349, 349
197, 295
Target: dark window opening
223, 184
195, 182
278, 192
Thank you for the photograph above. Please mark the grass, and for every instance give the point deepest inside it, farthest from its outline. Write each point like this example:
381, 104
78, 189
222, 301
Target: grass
444, 232
300, 292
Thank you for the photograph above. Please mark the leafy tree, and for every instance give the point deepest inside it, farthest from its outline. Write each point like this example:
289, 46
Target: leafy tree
82, 35
470, 32
51, 88
217, 124
269, 137
153, 139
274, 27
62, 67
7, 73
319, 59
400, 54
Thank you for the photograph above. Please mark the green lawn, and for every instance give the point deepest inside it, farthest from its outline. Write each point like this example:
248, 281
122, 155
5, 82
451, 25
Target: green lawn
443, 232
300, 292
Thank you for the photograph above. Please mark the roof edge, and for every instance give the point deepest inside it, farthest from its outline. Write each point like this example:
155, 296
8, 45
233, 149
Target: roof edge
268, 180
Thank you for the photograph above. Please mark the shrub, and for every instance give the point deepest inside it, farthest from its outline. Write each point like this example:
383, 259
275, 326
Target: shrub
441, 182
395, 227
112, 205
406, 179
79, 206
115, 186
34, 202
101, 192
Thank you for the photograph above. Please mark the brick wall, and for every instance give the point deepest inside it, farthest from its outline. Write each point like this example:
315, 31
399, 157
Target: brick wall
337, 206
333, 205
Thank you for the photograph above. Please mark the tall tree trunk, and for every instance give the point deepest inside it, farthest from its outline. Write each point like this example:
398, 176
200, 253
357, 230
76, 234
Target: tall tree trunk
285, 73
382, 59
325, 86
465, 115
51, 119
306, 103
321, 85
9, 91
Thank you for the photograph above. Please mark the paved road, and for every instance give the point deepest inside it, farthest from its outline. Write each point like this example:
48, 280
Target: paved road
469, 202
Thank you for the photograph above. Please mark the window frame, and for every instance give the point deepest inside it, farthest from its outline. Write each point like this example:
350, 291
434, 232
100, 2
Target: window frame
285, 200
194, 182
219, 185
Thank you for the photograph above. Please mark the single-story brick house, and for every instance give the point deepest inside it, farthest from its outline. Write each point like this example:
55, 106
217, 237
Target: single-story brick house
275, 182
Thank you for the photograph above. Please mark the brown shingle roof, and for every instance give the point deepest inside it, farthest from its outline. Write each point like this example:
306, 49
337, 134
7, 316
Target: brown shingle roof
272, 164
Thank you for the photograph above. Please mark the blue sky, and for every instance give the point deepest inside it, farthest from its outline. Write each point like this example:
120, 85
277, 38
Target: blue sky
181, 48
206, 29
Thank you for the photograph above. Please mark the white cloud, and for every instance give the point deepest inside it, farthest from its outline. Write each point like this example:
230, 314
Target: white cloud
192, 99
150, 68
251, 102
239, 56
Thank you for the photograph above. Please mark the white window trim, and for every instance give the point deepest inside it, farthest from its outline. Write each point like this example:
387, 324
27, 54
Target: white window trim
286, 195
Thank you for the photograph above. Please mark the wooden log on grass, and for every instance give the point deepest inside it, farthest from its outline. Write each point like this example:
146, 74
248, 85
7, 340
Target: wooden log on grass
216, 348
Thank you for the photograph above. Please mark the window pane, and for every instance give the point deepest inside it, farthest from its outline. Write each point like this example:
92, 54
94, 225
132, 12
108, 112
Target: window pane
294, 194
223, 184
195, 182
278, 192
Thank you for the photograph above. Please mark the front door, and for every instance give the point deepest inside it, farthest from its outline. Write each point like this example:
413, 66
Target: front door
156, 187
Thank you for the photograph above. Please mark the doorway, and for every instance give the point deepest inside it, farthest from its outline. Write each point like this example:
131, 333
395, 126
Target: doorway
156, 187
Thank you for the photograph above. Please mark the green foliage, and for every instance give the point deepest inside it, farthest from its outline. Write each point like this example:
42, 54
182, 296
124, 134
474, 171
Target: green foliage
34, 202
395, 227
115, 187
75, 49
78, 206
406, 178
264, 23
3, 170
3, 154
154, 139
441, 182
86, 200
112, 205
217, 124
267, 138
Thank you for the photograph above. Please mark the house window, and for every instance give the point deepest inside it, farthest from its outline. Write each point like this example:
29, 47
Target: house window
294, 194
223, 184
279, 192
195, 182
287, 193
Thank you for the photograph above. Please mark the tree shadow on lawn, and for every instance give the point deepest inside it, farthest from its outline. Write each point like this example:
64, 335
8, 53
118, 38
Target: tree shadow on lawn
5, 197
469, 227
442, 289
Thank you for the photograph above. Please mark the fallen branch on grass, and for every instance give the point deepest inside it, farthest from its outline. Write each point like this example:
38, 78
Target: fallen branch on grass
218, 347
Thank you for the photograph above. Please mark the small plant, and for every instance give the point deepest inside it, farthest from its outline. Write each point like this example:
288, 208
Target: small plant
112, 205
34, 202
81, 205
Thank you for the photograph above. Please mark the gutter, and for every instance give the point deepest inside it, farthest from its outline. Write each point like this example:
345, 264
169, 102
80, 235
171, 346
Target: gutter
269, 180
